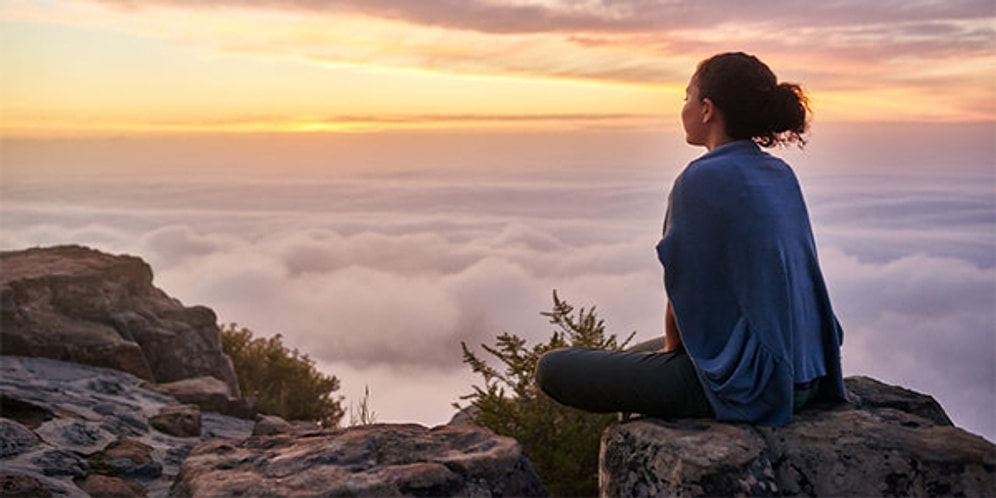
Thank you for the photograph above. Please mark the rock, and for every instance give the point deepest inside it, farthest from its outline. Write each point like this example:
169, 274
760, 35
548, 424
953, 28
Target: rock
887, 441
68, 425
15, 485
127, 457
61, 463
178, 420
23, 412
209, 393
79, 436
870, 393
464, 416
268, 425
15, 438
374, 460
76, 304
111, 487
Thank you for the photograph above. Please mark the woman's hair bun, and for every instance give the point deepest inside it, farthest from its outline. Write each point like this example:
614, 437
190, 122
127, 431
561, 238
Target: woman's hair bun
754, 104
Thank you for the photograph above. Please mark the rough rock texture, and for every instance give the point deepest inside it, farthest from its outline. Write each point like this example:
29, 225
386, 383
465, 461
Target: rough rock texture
178, 420
886, 441
376, 460
71, 430
268, 425
209, 393
108, 486
76, 304
15, 485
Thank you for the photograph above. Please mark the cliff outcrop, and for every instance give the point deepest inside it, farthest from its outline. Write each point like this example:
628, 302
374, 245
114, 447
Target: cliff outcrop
109, 387
77, 304
886, 441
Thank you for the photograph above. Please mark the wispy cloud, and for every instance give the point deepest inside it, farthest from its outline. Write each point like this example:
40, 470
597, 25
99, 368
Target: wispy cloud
889, 60
567, 16
872, 33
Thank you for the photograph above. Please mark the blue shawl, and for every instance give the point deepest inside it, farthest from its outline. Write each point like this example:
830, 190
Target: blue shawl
741, 272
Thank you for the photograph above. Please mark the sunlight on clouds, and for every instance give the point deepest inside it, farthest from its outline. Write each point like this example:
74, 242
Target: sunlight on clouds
85, 68
293, 95
899, 104
285, 66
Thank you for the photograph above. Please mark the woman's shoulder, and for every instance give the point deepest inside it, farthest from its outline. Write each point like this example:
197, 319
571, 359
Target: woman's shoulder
735, 161
722, 164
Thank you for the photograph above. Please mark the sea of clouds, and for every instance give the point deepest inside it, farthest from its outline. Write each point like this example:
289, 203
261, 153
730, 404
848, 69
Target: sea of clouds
378, 269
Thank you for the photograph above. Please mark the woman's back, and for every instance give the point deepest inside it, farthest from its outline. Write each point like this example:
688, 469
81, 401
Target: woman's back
742, 274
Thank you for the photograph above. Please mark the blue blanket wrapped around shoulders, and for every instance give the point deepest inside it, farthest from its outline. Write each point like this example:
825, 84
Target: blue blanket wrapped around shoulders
742, 275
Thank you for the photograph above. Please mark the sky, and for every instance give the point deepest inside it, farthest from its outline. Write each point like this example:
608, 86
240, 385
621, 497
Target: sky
85, 67
380, 180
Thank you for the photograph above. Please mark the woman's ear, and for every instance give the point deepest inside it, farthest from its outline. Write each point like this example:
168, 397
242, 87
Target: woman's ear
708, 110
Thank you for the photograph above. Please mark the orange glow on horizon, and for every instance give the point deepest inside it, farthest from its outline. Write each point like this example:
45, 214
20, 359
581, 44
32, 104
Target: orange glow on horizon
84, 68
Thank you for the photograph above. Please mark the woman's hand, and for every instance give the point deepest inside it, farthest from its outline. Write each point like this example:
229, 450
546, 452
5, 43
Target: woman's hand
672, 337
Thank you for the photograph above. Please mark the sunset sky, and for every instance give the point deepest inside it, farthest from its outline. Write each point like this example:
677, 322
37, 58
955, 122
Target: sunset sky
98, 67
381, 180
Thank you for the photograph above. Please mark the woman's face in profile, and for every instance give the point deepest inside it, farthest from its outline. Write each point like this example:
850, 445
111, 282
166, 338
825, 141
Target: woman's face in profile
692, 115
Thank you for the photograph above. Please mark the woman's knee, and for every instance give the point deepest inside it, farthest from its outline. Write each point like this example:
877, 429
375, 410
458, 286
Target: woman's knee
550, 370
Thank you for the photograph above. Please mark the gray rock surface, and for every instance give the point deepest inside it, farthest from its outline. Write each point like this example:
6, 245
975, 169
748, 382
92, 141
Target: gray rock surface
71, 430
209, 393
375, 460
178, 420
268, 425
76, 304
886, 441
15, 438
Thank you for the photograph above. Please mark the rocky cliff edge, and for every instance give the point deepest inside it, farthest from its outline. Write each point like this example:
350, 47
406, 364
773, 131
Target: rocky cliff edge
77, 304
886, 441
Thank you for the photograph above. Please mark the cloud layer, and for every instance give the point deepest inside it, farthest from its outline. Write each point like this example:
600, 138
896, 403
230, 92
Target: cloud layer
380, 277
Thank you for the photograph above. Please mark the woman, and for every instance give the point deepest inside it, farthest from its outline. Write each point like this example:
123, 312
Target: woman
750, 335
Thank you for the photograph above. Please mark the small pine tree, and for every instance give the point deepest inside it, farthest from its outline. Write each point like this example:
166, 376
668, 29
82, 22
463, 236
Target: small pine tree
561, 442
283, 381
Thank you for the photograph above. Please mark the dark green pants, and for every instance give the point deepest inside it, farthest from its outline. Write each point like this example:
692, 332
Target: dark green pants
639, 380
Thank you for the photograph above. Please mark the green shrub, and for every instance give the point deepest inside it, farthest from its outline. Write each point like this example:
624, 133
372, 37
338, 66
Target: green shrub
561, 442
283, 381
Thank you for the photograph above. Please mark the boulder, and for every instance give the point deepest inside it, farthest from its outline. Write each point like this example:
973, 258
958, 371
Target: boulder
79, 436
77, 304
18, 485
61, 463
209, 393
15, 438
110, 486
178, 420
373, 460
268, 425
127, 457
886, 441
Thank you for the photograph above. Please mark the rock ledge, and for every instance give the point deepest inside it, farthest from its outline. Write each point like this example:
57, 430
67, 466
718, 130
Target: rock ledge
374, 460
887, 441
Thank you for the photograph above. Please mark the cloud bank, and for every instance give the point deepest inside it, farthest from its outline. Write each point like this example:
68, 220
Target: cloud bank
379, 278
